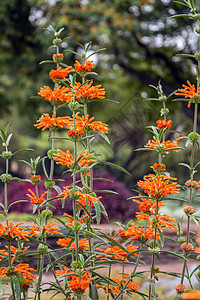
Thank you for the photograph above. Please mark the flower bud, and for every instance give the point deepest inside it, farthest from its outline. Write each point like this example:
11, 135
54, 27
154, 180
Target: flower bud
76, 225
49, 184
162, 98
42, 249
10, 271
198, 257
86, 190
180, 288
6, 154
197, 30
51, 152
164, 111
189, 210
187, 247
57, 41
58, 57
6, 178
197, 54
76, 264
191, 184
151, 244
193, 136
74, 106
35, 179
181, 240
46, 214
198, 274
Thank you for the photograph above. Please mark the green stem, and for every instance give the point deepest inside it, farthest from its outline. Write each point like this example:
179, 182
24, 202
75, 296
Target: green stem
109, 274
122, 278
130, 278
153, 254
41, 259
9, 262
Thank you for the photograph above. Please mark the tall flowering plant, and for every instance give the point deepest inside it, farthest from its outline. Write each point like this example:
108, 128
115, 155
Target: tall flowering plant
82, 248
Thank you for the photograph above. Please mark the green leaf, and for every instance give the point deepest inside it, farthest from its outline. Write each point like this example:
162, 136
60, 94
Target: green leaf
153, 291
162, 238
106, 191
22, 150
97, 51
185, 165
174, 254
98, 212
181, 15
1, 204
95, 295
8, 138
145, 149
19, 201
185, 55
44, 168
104, 179
103, 100
47, 61
57, 189
2, 135
115, 166
104, 136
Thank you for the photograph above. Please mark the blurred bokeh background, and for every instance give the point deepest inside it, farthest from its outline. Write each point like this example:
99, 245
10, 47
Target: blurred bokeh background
141, 42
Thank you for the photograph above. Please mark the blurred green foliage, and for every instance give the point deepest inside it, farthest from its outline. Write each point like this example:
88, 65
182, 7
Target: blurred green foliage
141, 42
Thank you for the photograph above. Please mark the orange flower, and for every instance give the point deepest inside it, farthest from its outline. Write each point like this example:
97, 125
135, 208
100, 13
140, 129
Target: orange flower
157, 220
193, 295
57, 96
11, 231
34, 199
82, 219
66, 158
82, 69
77, 284
122, 282
148, 205
3, 254
46, 121
88, 92
83, 244
190, 92
116, 252
23, 270
138, 233
60, 73
159, 168
158, 186
65, 193
83, 199
45, 229
35, 179
88, 124
164, 124
164, 146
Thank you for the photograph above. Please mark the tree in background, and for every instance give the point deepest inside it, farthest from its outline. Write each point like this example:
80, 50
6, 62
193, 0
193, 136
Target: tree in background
140, 40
